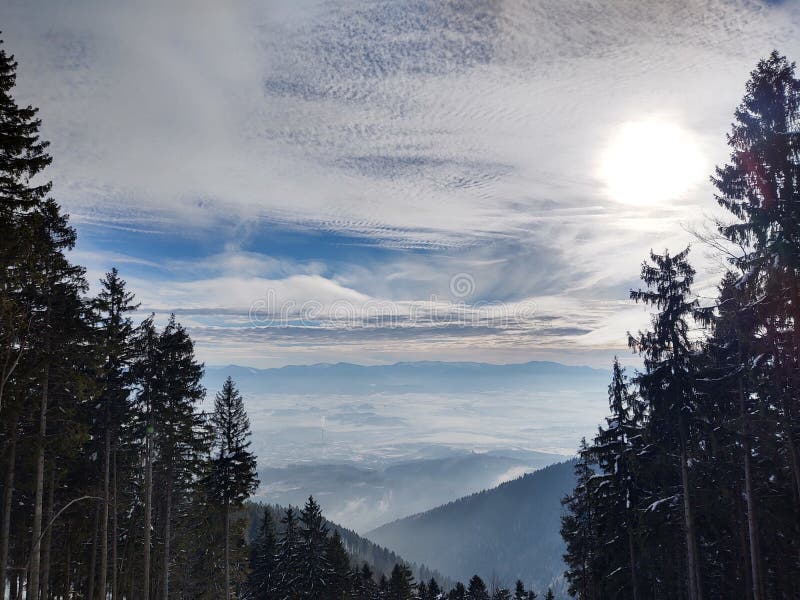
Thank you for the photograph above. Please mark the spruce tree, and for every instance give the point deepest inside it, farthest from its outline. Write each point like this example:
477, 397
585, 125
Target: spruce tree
315, 569
579, 527
339, 583
401, 583
115, 332
501, 593
519, 591
459, 592
433, 589
234, 468
180, 434
146, 371
667, 383
760, 186
263, 560
289, 583
476, 590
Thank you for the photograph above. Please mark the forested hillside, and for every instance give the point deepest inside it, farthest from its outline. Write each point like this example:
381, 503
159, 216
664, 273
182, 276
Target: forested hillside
361, 550
508, 533
365, 498
691, 489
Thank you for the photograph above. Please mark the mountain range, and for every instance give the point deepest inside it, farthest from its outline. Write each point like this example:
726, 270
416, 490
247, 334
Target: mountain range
422, 376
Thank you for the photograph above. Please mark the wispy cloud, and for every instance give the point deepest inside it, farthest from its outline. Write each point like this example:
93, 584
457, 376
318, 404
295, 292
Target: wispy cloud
431, 138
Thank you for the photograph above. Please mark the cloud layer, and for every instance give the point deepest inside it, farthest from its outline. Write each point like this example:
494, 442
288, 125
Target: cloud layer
370, 151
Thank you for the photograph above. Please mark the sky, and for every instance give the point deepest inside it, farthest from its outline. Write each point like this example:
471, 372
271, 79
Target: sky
307, 181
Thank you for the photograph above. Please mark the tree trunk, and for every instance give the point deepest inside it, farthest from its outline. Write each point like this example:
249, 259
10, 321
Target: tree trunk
752, 516
167, 535
8, 493
36, 530
632, 550
114, 559
93, 559
104, 514
227, 551
691, 557
68, 567
148, 513
48, 536
15, 592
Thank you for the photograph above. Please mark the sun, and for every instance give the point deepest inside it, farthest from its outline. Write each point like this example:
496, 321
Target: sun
650, 162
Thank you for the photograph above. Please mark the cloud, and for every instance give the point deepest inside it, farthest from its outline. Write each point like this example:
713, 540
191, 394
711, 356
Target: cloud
438, 137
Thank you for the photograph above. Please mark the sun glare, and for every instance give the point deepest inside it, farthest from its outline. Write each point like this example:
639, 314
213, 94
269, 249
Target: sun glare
651, 162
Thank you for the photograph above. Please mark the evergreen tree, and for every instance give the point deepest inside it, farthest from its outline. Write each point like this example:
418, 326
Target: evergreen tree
367, 587
501, 593
401, 583
289, 580
263, 560
668, 382
434, 591
459, 592
315, 569
234, 469
476, 590
339, 585
549, 595
579, 529
519, 591
115, 332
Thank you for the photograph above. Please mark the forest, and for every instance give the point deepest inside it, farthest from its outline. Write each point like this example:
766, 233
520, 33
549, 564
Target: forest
691, 489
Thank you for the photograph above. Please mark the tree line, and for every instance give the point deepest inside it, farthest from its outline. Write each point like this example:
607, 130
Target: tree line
691, 488
114, 481
298, 557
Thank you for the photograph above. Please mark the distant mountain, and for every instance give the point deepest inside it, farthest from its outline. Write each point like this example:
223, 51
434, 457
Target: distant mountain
360, 549
509, 532
364, 498
404, 377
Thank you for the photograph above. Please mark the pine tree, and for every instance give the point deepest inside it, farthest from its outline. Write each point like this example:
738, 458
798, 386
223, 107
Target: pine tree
519, 591
146, 371
338, 587
459, 592
180, 434
667, 384
366, 588
401, 583
289, 558
476, 590
615, 450
434, 590
234, 469
37, 283
60, 326
115, 331
263, 560
760, 186
501, 594
549, 595
315, 569
579, 528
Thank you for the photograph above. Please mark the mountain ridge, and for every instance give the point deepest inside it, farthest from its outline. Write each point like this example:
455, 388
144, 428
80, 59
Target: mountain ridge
508, 532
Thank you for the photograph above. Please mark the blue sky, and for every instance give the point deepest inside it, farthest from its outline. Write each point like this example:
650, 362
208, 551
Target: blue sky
345, 159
